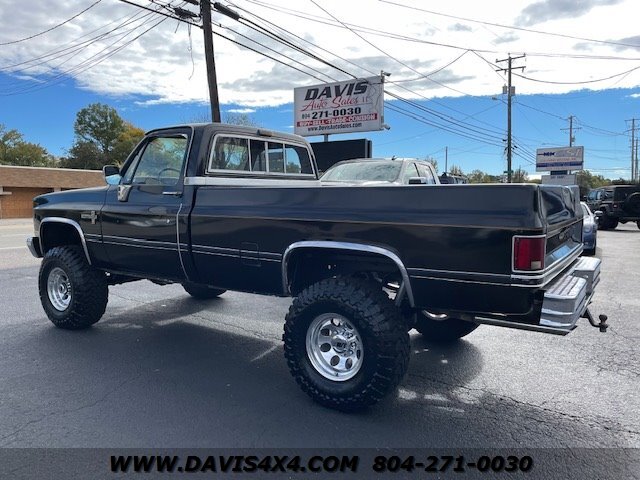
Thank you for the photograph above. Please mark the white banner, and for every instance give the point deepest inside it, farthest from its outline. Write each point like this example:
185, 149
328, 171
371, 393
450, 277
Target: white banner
342, 107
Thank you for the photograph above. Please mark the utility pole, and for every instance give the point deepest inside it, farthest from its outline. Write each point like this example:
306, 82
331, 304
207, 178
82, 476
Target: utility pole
446, 159
510, 93
205, 13
637, 176
570, 130
634, 152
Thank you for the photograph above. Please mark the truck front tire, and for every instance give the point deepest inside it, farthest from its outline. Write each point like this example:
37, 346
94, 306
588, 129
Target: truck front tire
73, 294
202, 292
346, 343
443, 331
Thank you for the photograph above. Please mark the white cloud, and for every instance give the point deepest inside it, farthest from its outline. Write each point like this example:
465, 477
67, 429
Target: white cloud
157, 67
241, 110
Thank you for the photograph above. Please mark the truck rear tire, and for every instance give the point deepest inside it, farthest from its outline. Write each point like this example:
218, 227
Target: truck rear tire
346, 343
73, 294
202, 292
443, 331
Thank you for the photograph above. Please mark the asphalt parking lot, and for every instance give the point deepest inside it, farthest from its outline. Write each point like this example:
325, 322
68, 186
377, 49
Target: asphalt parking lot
164, 370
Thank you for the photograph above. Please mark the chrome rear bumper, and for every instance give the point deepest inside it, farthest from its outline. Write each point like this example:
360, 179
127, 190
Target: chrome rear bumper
567, 297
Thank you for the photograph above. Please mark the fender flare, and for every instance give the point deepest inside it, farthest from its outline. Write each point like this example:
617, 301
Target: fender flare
358, 247
67, 221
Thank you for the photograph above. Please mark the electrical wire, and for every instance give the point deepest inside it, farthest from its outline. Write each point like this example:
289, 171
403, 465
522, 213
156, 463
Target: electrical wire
13, 42
583, 82
512, 27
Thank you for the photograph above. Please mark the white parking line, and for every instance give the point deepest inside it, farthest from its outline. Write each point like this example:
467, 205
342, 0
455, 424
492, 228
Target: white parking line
12, 248
15, 235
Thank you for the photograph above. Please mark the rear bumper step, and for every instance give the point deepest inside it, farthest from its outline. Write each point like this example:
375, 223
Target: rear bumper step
567, 298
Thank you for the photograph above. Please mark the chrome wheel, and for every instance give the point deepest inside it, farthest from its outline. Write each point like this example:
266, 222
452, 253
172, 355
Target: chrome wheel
59, 289
334, 347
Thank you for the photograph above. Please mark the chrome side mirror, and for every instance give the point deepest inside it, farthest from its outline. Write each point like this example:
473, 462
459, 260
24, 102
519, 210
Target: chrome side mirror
111, 174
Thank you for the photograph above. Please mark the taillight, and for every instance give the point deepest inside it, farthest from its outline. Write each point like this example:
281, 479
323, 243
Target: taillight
528, 253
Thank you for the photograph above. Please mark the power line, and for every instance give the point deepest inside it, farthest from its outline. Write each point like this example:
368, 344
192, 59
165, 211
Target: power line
432, 112
511, 27
554, 82
12, 42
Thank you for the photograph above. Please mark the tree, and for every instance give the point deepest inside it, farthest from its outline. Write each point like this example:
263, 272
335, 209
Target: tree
100, 125
15, 151
455, 170
242, 119
478, 176
84, 155
125, 143
519, 176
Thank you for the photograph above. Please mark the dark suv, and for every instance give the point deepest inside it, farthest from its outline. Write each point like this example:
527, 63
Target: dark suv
618, 203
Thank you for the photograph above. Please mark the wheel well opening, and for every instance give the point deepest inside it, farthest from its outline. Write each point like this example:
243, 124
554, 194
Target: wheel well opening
54, 234
306, 266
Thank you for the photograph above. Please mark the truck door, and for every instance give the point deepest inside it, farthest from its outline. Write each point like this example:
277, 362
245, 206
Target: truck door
139, 219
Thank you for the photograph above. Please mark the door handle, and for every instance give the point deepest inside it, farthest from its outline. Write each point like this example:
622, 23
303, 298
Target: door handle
175, 194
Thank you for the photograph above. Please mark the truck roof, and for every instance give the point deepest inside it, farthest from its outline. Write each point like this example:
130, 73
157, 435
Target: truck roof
236, 129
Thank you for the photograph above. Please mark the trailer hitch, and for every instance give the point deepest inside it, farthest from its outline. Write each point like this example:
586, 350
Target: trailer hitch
603, 320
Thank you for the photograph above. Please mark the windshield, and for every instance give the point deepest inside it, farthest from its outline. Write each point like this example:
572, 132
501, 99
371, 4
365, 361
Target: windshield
364, 172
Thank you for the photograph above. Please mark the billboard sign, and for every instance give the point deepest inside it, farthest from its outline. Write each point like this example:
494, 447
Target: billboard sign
559, 159
343, 107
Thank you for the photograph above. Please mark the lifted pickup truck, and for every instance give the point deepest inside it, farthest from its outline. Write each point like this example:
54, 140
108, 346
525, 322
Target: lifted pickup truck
216, 207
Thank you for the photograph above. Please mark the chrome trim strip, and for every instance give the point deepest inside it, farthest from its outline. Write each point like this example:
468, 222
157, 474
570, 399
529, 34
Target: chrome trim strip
500, 279
560, 265
203, 252
244, 181
211, 248
359, 247
184, 270
476, 282
67, 221
121, 244
137, 240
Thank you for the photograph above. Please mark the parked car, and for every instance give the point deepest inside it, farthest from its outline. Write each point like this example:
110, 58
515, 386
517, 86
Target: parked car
374, 171
453, 179
589, 230
618, 203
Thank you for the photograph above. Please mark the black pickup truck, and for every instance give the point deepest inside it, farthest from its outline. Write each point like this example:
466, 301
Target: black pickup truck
216, 207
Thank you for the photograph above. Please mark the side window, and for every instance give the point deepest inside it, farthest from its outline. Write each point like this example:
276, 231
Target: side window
160, 163
426, 173
276, 157
592, 195
230, 154
297, 160
258, 156
409, 172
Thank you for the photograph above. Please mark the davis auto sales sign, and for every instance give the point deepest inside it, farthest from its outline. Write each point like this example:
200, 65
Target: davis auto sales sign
351, 106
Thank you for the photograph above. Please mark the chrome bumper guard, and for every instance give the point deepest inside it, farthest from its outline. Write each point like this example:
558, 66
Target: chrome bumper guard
33, 243
567, 298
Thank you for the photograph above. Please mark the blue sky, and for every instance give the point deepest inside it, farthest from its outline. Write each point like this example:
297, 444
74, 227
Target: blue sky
443, 60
